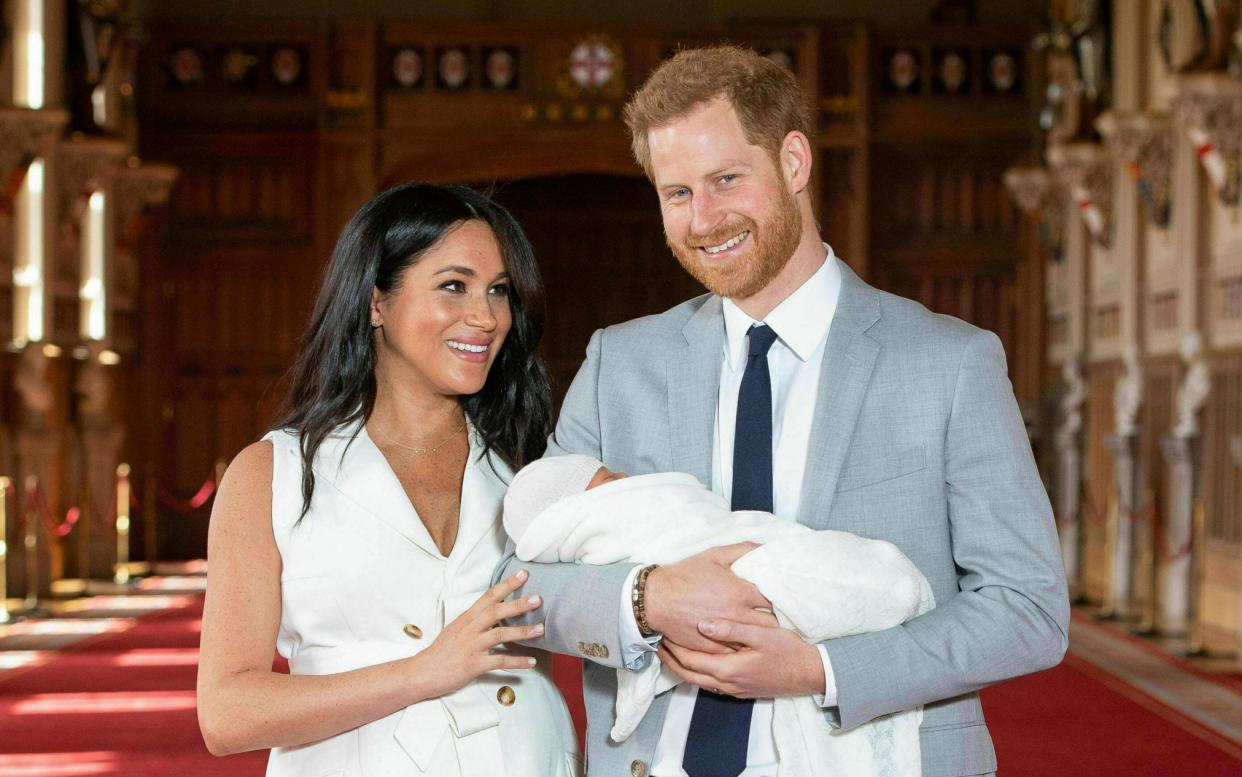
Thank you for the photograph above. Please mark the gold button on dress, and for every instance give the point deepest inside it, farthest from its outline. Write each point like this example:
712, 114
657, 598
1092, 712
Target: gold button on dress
413, 631
638, 769
506, 696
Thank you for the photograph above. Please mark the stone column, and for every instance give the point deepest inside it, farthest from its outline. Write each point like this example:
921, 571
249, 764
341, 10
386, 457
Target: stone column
1068, 478
36, 451
1182, 450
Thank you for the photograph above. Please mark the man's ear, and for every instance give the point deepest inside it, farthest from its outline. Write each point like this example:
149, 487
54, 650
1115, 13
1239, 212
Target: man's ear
796, 161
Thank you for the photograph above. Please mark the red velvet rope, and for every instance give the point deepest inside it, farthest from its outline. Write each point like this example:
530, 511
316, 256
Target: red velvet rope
36, 501
200, 498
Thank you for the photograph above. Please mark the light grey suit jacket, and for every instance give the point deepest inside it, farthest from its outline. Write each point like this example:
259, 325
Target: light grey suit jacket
917, 440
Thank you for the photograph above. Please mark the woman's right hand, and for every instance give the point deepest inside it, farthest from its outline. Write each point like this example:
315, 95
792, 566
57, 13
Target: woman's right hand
463, 651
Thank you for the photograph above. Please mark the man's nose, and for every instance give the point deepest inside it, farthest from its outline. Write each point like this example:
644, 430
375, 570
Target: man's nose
704, 214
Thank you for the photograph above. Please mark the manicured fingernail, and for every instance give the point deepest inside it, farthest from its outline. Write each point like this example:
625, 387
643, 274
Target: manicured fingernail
537, 628
707, 627
534, 600
521, 575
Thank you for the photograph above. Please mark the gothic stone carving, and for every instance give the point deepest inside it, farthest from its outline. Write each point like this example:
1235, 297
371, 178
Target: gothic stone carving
1210, 108
26, 134
1035, 191
83, 166
136, 188
1087, 172
1144, 143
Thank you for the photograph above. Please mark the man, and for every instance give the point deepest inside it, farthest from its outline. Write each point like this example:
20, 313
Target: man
796, 388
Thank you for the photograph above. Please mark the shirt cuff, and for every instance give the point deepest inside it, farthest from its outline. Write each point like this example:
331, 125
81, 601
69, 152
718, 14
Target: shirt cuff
829, 699
636, 650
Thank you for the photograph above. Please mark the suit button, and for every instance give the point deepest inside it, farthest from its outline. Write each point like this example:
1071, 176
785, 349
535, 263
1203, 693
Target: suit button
413, 631
638, 769
506, 696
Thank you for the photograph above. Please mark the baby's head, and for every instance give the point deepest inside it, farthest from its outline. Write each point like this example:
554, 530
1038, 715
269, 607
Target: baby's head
604, 475
542, 483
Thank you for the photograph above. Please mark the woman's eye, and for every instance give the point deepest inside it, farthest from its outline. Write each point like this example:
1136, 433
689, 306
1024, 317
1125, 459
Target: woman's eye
500, 290
453, 286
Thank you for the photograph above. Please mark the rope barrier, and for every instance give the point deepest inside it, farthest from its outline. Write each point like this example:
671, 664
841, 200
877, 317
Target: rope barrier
36, 504
184, 506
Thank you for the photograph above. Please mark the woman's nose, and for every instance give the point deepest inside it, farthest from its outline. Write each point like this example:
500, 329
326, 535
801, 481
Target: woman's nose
479, 313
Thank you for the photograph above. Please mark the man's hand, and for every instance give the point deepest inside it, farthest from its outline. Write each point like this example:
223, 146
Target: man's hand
681, 595
766, 661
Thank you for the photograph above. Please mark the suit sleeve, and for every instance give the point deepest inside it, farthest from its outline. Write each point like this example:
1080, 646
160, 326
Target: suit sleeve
580, 602
1012, 613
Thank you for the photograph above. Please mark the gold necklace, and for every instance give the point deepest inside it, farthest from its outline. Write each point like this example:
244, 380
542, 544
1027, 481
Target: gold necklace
433, 448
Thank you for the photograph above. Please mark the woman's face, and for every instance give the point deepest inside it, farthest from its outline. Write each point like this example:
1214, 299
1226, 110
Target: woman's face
441, 329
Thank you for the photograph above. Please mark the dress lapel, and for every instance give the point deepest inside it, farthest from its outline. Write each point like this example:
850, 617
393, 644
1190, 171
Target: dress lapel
359, 471
482, 494
849, 357
693, 390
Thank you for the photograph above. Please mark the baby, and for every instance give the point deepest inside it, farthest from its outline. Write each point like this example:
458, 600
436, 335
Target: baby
822, 585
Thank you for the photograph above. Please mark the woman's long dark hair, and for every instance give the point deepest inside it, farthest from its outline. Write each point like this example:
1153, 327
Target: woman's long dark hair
333, 379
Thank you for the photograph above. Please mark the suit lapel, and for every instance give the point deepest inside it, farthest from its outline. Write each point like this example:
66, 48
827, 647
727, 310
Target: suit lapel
363, 475
693, 390
849, 357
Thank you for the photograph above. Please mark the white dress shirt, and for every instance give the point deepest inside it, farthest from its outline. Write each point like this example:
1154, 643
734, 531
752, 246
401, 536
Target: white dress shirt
801, 323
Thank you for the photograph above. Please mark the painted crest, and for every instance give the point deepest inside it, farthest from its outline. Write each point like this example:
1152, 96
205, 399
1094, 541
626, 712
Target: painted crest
500, 69
1002, 71
903, 71
186, 66
407, 68
454, 68
286, 65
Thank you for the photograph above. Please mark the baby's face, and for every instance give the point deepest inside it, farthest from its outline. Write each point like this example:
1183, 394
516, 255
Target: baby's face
604, 475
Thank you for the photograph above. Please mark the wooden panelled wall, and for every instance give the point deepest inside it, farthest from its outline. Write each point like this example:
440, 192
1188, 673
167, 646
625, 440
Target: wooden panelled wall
273, 164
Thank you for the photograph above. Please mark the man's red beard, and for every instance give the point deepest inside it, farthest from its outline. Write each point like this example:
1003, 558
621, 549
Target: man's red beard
773, 244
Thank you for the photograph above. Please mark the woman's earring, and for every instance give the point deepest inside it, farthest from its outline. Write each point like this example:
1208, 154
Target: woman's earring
375, 323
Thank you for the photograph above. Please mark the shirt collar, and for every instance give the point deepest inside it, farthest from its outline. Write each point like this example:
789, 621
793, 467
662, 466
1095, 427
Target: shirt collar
800, 321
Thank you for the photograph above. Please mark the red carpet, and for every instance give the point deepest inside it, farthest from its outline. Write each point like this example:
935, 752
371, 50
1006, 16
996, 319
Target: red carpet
123, 704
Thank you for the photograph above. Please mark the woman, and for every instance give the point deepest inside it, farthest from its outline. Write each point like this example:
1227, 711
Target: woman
360, 536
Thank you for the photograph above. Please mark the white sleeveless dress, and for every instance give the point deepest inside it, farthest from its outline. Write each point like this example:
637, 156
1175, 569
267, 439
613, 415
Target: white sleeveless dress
363, 583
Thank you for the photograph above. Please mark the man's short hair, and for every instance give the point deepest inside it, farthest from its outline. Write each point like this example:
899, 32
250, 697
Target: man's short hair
767, 98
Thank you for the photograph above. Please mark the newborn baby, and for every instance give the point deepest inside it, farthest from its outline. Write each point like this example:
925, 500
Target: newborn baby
822, 585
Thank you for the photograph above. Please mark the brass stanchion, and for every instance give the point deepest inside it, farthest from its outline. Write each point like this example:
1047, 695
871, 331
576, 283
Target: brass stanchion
84, 536
121, 576
1147, 561
31, 543
4, 550
150, 518
1198, 550
1108, 609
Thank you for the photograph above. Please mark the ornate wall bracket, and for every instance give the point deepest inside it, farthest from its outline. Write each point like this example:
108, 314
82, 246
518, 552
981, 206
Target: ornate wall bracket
1144, 144
26, 134
136, 189
1209, 107
1037, 194
1086, 171
84, 165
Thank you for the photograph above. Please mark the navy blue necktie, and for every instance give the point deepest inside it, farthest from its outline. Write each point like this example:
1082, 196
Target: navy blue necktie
720, 726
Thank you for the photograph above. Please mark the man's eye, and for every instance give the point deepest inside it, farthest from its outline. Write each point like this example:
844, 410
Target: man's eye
677, 194
730, 178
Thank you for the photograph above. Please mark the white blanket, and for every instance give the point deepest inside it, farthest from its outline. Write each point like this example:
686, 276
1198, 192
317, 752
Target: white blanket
822, 584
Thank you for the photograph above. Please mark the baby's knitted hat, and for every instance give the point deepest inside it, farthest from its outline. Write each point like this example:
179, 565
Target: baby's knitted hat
540, 484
